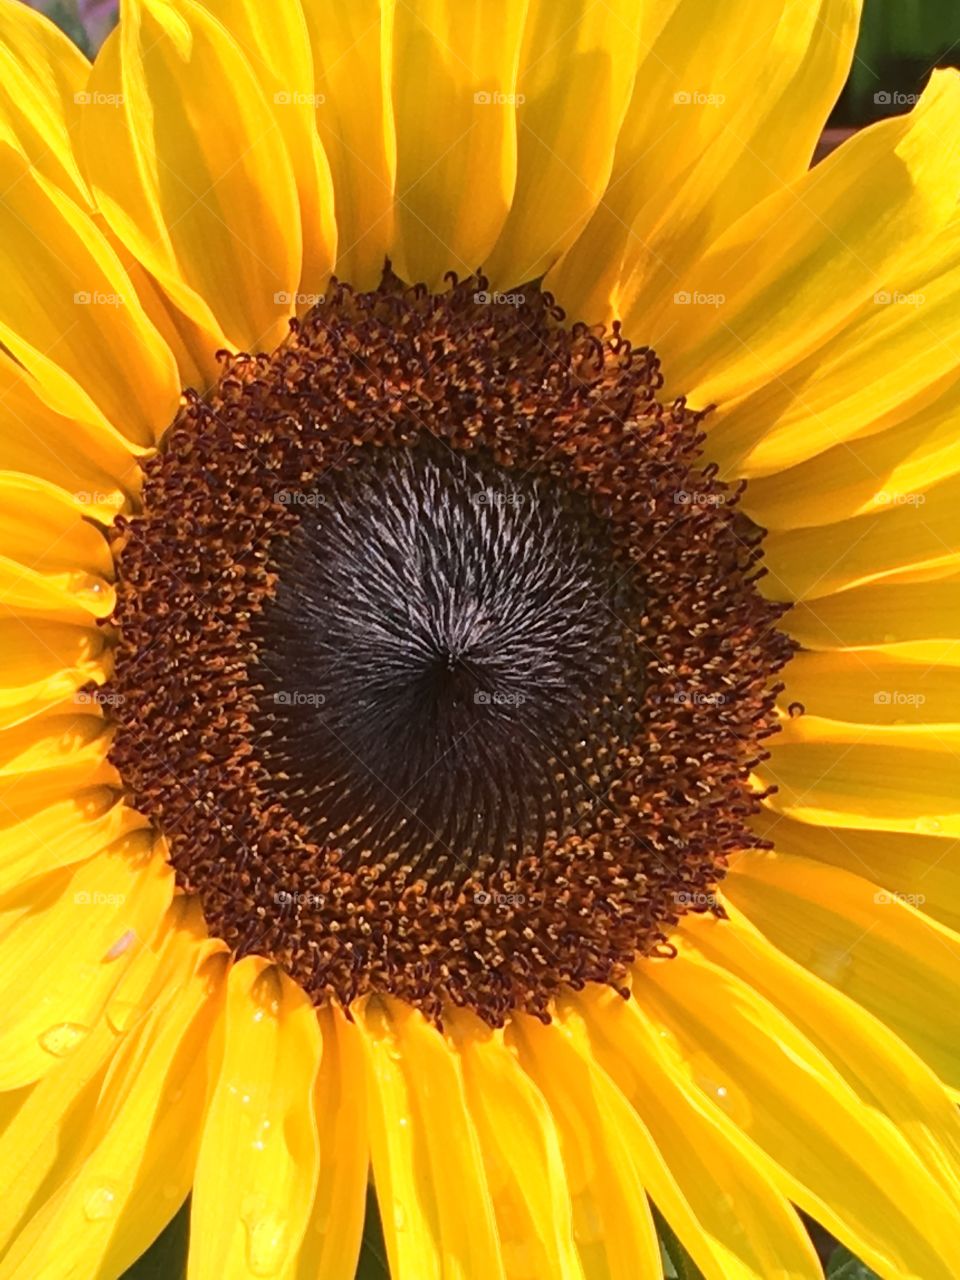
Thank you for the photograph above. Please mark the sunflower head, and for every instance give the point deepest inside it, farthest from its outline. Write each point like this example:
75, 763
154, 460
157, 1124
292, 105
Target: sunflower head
478, 711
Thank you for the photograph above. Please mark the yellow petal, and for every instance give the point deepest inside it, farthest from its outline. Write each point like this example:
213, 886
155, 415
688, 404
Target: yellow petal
332, 1243
69, 313
901, 778
899, 341
871, 689
732, 1221
894, 467
577, 67
45, 663
52, 756
869, 944
353, 59
42, 79
67, 596
189, 345
136, 1164
276, 44
612, 1224
521, 1155
454, 78
919, 533
907, 620
695, 151
923, 870
62, 834
191, 172
44, 1142
903, 1093
823, 243
261, 1127
99, 912
42, 526
78, 452
796, 1112
434, 1201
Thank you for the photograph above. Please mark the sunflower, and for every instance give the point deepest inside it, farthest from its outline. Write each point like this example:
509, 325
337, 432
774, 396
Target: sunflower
480, 672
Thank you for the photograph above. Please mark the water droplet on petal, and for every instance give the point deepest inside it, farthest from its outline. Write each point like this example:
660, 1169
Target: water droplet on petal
833, 965
928, 826
99, 1203
122, 944
729, 1099
399, 1215
63, 1038
267, 1241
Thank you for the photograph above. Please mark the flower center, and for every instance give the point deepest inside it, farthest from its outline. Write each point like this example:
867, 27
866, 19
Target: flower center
439, 659
438, 662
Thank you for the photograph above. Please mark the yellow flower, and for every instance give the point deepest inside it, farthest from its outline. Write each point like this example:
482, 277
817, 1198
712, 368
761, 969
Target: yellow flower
389, 777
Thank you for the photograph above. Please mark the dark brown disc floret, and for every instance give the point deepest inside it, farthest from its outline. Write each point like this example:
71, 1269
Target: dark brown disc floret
439, 660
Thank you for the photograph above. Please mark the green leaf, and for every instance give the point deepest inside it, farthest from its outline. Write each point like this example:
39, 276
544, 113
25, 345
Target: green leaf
65, 14
677, 1262
844, 1266
166, 1259
373, 1251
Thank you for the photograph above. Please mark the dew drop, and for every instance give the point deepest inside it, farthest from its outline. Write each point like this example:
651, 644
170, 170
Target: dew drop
832, 965
399, 1216
99, 1203
730, 1100
928, 826
267, 1240
63, 1038
122, 944
121, 1014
